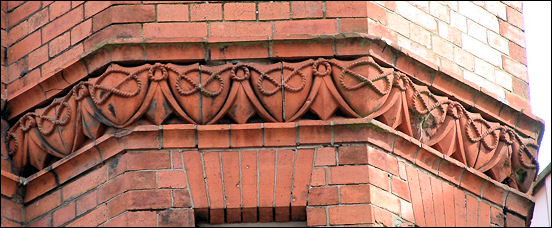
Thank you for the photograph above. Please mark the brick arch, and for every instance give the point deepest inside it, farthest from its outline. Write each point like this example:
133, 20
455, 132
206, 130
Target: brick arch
261, 185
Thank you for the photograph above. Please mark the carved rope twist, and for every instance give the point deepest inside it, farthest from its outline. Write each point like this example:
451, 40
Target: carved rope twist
326, 64
158, 66
263, 76
196, 86
363, 80
59, 105
246, 73
115, 90
478, 137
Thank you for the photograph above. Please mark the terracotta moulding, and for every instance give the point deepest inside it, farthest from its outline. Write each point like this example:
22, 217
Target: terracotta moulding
242, 92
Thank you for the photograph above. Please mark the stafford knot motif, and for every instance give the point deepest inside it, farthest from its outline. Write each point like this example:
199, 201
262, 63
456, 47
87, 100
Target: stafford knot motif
280, 92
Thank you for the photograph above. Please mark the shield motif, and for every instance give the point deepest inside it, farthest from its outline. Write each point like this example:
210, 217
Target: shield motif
501, 167
215, 83
480, 139
119, 92
297, 83
524, 168
363, 84
184, 84
59, 127
266, 81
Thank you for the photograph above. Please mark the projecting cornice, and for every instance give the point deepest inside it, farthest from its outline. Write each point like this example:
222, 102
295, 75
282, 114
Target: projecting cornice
240, 92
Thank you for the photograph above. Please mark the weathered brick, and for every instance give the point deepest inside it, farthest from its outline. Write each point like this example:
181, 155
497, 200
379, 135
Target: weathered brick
171, 179
213, 136
231, 174
417, 16
64, 214
213, 173
284, 172
354, 194
237, 29
172, 12
58, 8
514, 34
478, 14
206, 12
355, 214
22, 12
62, 24
194, 169
85, 183
93, 218
172, 218
87, 202
306, 9
240, 11
514, 17
349, 155
43, 205
91, 8
59, 44
323, 196
23, 47
38, 57
169, 30
517, 69
311, 27
273, 10
348, 175
133, 200
316, 216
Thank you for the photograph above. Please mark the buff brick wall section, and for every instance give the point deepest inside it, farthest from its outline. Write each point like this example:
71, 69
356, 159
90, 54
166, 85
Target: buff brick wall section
479, 42
346, 179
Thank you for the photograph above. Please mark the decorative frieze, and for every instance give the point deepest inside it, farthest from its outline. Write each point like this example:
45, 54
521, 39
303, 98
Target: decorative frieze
280, 92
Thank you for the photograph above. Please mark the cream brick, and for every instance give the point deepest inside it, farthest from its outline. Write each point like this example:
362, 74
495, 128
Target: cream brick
418, 50
497, 8
442, 47
481, 50
399, 24
453, 5
440, 11
450, 66
443, 29
416, 16
420, 35
477, 31
478, 14
458, 21
498, 42
463, 58
488, 85
484, 69
423, 5
449, 33
503, 79
514, 4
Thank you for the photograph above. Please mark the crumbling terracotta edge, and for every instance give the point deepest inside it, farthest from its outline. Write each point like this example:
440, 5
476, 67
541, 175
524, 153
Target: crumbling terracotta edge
10, 183
380, 127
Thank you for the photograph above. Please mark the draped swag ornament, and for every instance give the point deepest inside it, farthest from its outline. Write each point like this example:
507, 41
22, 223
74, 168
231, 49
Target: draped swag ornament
280, 92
